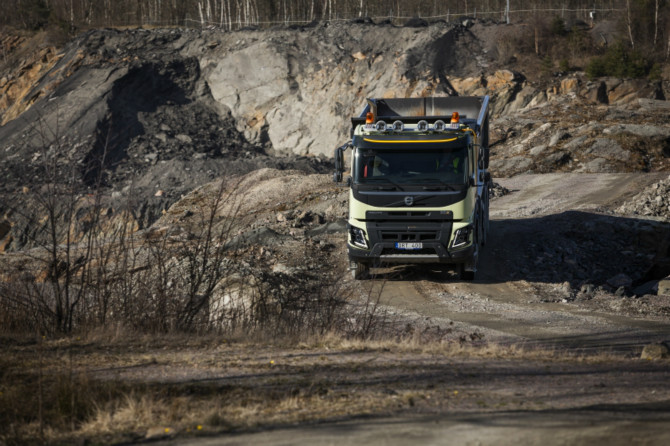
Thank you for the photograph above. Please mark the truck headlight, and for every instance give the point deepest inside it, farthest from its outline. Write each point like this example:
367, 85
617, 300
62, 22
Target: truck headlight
462, 237
358, 237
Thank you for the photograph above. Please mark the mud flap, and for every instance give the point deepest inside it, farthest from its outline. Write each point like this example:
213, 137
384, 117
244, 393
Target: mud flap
468, 269
359, 270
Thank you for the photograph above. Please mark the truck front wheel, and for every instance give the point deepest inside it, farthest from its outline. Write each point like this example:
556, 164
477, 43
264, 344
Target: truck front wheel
464, 274
360, 270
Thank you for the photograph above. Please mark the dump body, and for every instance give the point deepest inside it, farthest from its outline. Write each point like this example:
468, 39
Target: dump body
419, 186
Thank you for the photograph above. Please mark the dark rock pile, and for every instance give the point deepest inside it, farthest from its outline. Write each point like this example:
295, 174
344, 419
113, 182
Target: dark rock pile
498, 191
582, 248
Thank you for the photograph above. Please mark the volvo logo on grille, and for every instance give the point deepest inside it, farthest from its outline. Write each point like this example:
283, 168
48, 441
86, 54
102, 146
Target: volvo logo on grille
409, 201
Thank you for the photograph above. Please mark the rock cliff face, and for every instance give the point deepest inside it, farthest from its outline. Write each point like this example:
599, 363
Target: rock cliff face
295, 89
286, 91
153, 114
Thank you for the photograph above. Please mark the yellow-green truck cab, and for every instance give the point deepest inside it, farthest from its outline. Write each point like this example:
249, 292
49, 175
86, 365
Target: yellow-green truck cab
419, 186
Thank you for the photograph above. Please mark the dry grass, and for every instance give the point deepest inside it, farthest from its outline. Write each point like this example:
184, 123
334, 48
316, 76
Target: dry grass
457, 348
129, 387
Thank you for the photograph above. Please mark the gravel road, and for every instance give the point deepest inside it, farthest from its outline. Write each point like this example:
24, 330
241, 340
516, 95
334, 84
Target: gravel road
519, 300
530, 278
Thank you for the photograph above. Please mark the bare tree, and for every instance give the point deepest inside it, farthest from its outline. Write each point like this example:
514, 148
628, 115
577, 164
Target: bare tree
629, 24
655, 22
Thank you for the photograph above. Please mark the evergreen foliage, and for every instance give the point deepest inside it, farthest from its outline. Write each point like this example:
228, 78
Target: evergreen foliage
619, 61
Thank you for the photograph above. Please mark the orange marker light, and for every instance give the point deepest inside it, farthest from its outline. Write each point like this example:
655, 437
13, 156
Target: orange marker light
369, 118
454, 117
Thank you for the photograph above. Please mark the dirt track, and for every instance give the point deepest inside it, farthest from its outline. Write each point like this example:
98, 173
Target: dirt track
517, 297
618, 402
585, 427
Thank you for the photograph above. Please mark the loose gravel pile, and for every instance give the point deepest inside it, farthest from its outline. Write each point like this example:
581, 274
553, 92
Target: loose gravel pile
653, 201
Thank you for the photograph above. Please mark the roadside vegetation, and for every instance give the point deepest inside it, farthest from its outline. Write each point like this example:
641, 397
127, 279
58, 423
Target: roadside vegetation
92, 283
113, 386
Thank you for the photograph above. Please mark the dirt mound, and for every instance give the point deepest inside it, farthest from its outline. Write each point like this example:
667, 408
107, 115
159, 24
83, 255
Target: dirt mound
125, 112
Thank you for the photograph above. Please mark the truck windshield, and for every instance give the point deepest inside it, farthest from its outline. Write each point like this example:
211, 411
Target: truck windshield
414, 166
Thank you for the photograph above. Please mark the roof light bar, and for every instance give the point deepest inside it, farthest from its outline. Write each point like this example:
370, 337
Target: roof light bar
421, 126
439, 125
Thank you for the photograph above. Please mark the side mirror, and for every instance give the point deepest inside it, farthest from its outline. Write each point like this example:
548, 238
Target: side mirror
339, 163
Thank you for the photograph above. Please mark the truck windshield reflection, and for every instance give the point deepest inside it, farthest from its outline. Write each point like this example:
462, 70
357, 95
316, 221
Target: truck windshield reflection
439, 166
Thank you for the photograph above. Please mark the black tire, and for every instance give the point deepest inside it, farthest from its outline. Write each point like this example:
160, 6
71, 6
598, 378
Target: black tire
446, 273
361, 272
480, 230
464, 274
486, 218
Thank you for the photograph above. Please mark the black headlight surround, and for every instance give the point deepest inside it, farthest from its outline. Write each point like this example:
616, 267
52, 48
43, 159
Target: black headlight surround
462, 237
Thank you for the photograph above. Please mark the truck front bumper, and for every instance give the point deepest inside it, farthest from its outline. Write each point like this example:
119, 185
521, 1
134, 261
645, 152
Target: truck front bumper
430, 253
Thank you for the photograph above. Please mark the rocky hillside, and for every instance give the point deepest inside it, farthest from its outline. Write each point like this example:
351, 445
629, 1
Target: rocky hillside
145, 116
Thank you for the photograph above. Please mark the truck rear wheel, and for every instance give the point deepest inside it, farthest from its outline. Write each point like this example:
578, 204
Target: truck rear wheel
360, 270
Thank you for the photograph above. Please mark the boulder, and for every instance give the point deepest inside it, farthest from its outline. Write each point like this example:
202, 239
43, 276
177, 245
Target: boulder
535, 151
235, 294
557, 158
641, 130
501, 79
595, 166
468, 86
595, 92
664, 286
654, 352
575, 144
511, 166
569, 85
608, 148
620, 280
628, 91
558, 136
358, 56
522, 99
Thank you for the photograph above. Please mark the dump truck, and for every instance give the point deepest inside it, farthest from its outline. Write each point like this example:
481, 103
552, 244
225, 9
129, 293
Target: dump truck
418, 183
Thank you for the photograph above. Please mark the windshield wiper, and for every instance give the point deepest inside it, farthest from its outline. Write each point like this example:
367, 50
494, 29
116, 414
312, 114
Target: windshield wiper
384, 180
443, 184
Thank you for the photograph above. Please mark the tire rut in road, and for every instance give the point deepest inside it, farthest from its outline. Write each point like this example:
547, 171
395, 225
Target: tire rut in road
538, 254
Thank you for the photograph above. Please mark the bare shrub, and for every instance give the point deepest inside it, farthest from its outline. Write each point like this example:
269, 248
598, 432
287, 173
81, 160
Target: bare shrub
88, 267
85, 264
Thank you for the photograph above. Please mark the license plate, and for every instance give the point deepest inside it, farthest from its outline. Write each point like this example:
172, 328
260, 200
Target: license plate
409, 245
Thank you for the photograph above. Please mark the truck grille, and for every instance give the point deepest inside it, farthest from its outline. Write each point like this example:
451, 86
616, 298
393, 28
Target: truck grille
411, 252
393, 236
